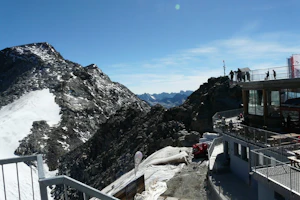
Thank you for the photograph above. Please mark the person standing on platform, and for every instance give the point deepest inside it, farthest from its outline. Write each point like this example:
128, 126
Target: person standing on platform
274, 74
231, 75
267, 75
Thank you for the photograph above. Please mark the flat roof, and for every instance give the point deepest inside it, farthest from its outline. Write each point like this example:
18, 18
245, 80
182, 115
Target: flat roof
271, 84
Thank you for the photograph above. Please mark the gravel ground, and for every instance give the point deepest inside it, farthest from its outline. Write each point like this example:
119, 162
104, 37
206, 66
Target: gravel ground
190, 183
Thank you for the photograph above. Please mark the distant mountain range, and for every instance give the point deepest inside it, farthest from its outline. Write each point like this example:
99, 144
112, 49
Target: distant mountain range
167, 100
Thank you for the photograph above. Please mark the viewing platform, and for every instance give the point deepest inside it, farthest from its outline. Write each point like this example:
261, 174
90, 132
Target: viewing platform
276, 157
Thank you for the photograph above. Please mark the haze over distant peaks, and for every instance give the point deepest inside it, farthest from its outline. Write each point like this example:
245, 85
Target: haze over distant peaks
165, 99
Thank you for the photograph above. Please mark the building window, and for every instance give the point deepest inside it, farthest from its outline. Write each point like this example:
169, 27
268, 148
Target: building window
290, 97
255, 103
273, 103
245, 153
226, 147
237, 149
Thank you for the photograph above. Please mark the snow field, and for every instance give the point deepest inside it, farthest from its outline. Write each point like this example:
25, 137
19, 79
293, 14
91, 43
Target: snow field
15, 123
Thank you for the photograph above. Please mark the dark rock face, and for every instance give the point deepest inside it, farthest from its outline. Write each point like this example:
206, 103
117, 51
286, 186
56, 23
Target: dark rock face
86, 96
213, 96
109, 153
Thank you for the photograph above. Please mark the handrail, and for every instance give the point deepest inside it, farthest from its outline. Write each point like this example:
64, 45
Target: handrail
282, 72
58, 180
227, 114
18, 159
276, 170
248, 133
214, 143
45, 182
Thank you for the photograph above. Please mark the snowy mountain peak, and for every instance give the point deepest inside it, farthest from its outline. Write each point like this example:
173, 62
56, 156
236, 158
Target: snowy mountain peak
85, 95
33, 52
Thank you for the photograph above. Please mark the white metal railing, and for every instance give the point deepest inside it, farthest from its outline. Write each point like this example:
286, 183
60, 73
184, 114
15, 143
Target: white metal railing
215, 142
45, 182
283, 72
247, 133
264, 163
226, 114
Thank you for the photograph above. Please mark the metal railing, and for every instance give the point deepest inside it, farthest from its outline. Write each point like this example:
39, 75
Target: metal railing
258, 136
215, 142
227, 114
276, 169
45, 182
283, 72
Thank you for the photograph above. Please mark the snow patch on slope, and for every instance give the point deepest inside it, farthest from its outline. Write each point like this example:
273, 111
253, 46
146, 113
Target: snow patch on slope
15, 123
16, 118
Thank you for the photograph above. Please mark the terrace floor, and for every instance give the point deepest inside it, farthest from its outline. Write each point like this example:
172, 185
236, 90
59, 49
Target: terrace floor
283, 175
226, 184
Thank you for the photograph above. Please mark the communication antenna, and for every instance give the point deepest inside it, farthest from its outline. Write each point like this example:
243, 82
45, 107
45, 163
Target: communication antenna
224, 66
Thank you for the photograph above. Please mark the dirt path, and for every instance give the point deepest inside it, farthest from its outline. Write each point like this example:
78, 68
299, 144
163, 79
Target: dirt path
190, 183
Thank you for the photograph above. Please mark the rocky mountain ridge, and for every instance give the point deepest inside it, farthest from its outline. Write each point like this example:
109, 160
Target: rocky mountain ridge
86, 96
109, 153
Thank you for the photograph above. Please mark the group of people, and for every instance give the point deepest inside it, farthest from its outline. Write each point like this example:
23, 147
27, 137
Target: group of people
240, 75
246, 75
267, 75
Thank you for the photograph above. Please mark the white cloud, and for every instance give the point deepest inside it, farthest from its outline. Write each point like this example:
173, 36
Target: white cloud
157, 83
188, 68
248, 28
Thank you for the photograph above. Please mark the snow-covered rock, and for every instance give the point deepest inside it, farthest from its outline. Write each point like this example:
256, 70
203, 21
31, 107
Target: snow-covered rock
85, 98
15, 123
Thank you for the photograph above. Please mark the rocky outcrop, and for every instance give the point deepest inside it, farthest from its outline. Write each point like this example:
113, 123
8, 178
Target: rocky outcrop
86, 96
214, 96
109, 153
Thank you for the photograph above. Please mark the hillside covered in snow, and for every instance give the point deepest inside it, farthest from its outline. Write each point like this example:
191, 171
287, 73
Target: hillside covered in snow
85, 97
15, 123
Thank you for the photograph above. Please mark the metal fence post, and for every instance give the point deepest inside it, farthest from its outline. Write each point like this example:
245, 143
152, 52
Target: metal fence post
291, 178
255, 162
43, 188
266, 136
3, 183
267, 171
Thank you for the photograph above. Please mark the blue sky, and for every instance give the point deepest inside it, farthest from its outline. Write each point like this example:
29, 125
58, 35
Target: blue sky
149, 45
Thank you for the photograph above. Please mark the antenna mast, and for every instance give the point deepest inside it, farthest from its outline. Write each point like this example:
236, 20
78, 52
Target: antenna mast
224, 66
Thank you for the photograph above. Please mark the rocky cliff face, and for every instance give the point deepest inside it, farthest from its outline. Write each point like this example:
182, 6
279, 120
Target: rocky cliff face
109, 153
86, 96
213, 96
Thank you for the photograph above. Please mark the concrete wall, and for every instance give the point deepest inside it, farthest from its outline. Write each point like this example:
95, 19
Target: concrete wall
265, 192
238, 166
213, 192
